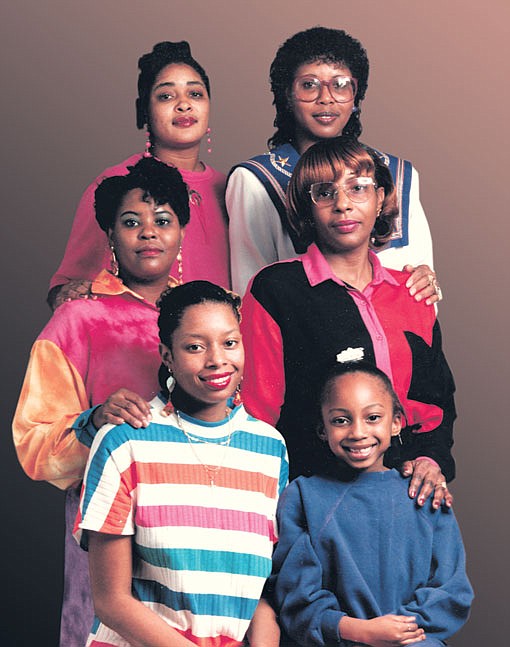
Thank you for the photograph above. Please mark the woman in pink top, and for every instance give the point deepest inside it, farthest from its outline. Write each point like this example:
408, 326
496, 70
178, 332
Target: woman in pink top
96, 360
173, 105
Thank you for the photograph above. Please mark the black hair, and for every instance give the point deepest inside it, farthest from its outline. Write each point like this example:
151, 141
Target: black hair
339, 369
162, 183
151, 64
315, 44
175, 301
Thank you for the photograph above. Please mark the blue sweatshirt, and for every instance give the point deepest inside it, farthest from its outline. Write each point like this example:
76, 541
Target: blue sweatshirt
364, 549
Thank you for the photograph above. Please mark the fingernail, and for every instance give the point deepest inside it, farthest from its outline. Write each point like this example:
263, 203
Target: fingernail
412, 291
412, 493
418, 297
421, 501
435, 505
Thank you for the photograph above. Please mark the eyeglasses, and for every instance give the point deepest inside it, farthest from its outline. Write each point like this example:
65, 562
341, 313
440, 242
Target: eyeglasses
309, 88
325, 194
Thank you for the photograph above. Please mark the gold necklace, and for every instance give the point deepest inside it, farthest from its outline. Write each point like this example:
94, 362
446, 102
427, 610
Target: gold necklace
211, 470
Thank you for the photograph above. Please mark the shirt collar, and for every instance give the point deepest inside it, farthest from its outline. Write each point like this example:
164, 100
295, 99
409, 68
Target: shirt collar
317, 269
106, 283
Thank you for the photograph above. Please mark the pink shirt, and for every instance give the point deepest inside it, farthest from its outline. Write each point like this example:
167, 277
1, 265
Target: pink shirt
317, 270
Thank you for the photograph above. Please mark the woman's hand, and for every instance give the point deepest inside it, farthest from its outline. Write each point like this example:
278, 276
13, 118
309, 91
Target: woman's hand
123, 406
427, 478
422, 284
77, 289
384, 631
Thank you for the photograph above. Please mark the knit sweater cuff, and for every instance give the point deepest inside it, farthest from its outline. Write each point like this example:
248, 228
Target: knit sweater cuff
84, 428
330, 627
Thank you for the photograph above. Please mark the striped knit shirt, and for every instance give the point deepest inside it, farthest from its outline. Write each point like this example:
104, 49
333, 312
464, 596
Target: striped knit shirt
202, 551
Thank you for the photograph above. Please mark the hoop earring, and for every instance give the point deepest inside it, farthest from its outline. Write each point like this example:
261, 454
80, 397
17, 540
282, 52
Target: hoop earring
148, 144
208, 133
178, 258
113, 262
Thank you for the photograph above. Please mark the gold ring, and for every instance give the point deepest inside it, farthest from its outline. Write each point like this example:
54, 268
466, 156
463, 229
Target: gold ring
442, 484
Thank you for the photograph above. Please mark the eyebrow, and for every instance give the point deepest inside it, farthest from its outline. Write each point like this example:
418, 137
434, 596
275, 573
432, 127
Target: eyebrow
173, 84
199, 336
368, 406
157, 209
129, 212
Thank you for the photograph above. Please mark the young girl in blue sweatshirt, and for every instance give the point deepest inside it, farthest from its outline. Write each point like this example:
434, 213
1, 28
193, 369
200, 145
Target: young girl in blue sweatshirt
358, 562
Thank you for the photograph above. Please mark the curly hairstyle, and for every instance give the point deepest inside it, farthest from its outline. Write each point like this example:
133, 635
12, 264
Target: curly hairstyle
175, 301
327, 160
315, 44
162, 183
151, 64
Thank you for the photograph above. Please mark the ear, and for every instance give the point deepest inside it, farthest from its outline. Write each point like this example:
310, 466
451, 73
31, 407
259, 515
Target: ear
110, 238
396, 425
166, 355
321, 432
380, 198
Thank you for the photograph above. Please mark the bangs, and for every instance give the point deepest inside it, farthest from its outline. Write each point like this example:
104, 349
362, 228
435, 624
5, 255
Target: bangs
329, 165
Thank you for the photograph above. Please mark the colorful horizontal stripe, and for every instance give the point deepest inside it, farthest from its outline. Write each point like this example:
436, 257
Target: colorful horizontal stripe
201, 553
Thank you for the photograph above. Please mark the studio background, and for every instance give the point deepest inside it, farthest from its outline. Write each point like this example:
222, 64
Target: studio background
438, 95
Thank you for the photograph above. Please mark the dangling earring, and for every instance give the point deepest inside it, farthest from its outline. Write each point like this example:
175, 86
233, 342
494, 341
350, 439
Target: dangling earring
238, 400
148, 144
170, 385
114, 262
208, 133
179, 265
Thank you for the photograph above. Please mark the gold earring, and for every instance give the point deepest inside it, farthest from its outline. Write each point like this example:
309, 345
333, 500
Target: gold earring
179, 265
114, 263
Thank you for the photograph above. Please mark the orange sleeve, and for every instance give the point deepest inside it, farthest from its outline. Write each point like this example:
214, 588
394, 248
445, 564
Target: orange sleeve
52, 397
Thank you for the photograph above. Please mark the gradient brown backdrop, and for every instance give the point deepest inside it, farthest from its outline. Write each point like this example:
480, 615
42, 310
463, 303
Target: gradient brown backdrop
438, 95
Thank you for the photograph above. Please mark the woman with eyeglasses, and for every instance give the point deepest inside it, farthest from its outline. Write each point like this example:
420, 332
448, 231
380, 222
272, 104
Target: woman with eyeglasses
318, 79
338, 301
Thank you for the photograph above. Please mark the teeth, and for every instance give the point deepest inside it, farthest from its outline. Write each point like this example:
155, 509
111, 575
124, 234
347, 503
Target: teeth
219, 380
362, 451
